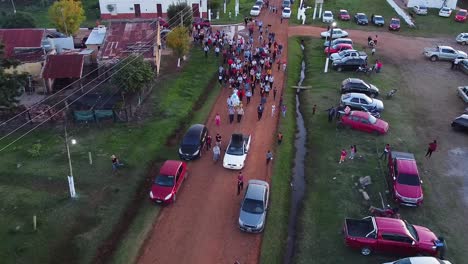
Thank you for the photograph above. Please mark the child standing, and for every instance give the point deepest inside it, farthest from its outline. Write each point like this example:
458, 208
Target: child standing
342, 156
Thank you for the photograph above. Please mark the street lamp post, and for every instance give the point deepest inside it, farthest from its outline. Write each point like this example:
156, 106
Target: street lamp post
71, 182
333, 25
14, 8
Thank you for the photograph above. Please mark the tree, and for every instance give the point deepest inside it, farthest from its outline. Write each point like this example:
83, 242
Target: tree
175, 11
133, 74
178, 40
67, 16
10, 83
18, 20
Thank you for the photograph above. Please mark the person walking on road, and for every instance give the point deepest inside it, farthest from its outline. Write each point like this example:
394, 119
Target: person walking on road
216, 152
269, 157
217, 119
432, 147
283, 110
385, 152
273, 110
240, 113
231, 114
248, 95
218, 139
259, 111
208, 142
240, 182
274, 93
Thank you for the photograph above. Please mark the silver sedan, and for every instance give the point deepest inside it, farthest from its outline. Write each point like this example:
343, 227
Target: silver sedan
359, 101
254, 207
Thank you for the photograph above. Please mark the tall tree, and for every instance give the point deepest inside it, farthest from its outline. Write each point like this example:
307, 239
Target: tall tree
18, 20
67, 16
10, 83
178, 10
134, 73
178, 40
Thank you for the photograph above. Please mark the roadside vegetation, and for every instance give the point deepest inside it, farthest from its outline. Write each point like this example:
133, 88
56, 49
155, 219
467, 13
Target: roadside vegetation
34, 176
244, 10
332, 193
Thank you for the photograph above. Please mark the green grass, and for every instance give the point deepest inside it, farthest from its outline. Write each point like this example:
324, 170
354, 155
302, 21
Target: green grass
244, 10
274, 239
331, 193
70, 231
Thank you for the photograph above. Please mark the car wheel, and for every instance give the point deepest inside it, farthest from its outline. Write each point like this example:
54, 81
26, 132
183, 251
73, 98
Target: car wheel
339, 69
463, 43
434, 58
366, 251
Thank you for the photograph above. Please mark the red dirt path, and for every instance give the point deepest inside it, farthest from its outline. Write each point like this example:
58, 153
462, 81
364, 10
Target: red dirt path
201, 227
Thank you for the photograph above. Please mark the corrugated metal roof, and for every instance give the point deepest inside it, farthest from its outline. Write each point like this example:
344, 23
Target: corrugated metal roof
20, 38
63, 66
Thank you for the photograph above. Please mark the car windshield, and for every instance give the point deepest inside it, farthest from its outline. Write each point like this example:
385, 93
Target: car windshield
411, 230
361, 16
445, 9
235, 150
395, 22
408, 179
462, 13
253, 206
255, 8
165, 180
190, 140
372, 119
286, 11
327, 14
343, 13
378, 18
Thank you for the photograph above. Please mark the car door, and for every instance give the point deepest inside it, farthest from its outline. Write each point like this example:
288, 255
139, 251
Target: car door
366, 125
363, 102
337, 33
355, 122
354, 102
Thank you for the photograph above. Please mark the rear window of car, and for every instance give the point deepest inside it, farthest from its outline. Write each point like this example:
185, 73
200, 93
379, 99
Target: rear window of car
253, 206
408, 179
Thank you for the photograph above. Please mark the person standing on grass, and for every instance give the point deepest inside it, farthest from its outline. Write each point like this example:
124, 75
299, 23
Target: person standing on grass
240, 113
208, 142
259, 111
269, 157
240, 182
314, 108
231, 114
115, 163
283, 110
352, 152
432, 147
280, 138
206, 49
342, 156
217, 119
385, 152
373, 51
216, 152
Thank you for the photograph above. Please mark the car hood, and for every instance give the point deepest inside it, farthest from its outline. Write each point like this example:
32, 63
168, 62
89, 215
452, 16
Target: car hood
374, 88
408, 191
251, 219
462, 53
234, 159
426, 236
335, 56
393, 25
159, 192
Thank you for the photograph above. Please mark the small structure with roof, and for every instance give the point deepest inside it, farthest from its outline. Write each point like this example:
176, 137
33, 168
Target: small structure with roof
62, 70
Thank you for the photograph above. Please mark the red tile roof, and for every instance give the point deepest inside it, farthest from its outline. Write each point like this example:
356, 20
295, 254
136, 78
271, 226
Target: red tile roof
20, 38
63, 66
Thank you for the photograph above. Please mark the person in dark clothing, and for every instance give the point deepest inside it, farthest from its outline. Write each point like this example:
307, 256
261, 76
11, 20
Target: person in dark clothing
314, 108
331, 113
432, 147
385, 152
260, 111
240, 182
280, 138
208, 142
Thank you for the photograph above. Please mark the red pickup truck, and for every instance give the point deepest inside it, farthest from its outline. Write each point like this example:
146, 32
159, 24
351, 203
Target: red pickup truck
390, 235
404, 175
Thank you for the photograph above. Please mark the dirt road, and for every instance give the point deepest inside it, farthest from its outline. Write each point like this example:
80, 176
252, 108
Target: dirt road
202, 227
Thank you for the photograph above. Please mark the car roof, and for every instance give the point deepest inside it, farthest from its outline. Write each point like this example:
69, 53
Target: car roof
407, 166
195, 130
170, 167
360, 114
327, 11
376, 16
359, 14
343, 10
445, 47
256, 189
286, 8
359, 95
424, 260
255, 6
354, 80
390, 225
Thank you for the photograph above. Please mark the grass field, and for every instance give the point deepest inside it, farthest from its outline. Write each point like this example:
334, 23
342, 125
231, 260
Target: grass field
70, 231
244, 10
331, 193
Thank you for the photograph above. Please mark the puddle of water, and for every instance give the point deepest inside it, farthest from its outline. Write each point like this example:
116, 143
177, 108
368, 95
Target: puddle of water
298, 180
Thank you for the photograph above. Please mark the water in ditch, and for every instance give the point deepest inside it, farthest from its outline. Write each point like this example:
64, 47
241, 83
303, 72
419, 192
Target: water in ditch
298, 180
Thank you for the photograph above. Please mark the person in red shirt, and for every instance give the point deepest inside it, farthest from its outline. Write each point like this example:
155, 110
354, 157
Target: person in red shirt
432, 147
342, 156
240, 182
208, 142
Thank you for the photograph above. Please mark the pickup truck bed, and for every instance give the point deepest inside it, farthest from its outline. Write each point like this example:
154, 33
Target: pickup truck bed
359, 227
463, 93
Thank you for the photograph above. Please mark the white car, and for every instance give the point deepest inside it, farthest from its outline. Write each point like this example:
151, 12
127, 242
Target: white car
236, 152
286, 13
337, 33
327, 17
445, 12
255, 11
419, 260
462, 38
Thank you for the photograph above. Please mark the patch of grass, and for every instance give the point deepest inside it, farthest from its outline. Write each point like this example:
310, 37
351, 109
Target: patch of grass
275, 235
331, 192
244, 10
38, 185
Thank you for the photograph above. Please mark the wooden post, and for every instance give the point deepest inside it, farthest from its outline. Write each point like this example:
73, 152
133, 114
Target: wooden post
34, 222
90, 158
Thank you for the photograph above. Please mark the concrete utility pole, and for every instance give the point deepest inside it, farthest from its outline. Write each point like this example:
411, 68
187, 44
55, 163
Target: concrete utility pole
331, 28
181, 19
14, 8
157, 49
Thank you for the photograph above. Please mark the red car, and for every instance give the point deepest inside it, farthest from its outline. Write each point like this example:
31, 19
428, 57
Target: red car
168, 182
163, 23
363, 121
390, 235
403, 171
394, 24
337, 48
344, 15
461, 15
198, 21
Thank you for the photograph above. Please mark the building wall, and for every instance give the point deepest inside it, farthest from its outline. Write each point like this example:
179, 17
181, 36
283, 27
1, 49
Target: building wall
124, 9
433, 3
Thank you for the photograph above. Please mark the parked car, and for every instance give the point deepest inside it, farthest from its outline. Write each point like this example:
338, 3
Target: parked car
463, 93
338, 41
444, 53
390, 235
461, 122
254, 206
337, 33
462, 38
404, 175
348, 63
419, 10
168, 181
355, 85
359, 101
394, 24
461, 15
420, 260
201, 21
236, 152
286, 13
361, 19
327, 17
255, 11
337, 48
378, 21
193, 142
463, 66
344, 15
363, 121
286, 3
445, 12
349, 53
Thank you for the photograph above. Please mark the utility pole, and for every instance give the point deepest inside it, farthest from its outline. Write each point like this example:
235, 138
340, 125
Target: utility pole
181, 18
157, 49
14, 8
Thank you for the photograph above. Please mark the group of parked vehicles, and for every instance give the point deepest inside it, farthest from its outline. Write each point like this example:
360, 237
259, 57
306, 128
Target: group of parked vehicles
361, 19
460, 15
